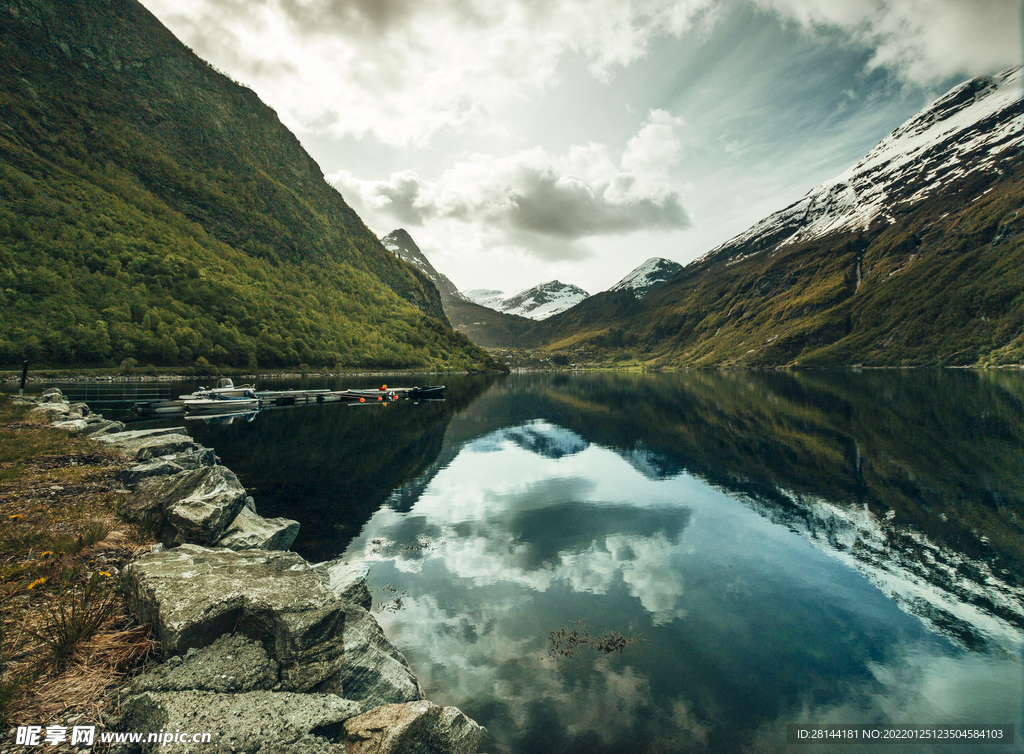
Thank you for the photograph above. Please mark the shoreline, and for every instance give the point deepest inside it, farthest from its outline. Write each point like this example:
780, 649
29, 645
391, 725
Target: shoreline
226, 599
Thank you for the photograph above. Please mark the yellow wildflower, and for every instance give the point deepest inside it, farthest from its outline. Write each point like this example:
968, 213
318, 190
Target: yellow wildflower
46, 554
104, 573
14, 517
37, 582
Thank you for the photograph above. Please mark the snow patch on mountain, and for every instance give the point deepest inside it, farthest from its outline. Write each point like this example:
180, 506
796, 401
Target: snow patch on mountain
648, 276
954, 595
965, 131
486, 297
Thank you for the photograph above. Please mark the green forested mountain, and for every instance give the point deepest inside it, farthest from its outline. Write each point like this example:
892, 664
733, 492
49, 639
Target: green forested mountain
150, 208
915, 256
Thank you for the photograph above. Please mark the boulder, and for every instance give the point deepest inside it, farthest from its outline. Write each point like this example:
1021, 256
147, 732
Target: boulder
347, 581
257, 721
168, 465
375, 672
194, 506
146, 444
56, 411
192, 595
74, 426
161, 467
251, 531
96, 425
412, 728
232, 664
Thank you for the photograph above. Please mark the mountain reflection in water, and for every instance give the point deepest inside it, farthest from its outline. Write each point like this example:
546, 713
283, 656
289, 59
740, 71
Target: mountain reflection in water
793, 547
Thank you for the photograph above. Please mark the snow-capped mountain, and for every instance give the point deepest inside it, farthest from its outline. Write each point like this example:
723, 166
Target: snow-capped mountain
648, 276
486, 297
400, 243
539, 302
966, 131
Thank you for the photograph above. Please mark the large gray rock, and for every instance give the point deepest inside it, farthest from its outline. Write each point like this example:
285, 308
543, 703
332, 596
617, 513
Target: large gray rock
347, 581
193, 506
96, 425
192, 595
145, 444
73, 426
57, 411
160, 467
375, 672
251, 531
168, 465
258, 721
232, 664
412, 728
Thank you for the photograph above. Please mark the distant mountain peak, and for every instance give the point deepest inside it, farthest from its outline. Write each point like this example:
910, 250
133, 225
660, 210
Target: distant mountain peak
400, 243
648, 276
537, 302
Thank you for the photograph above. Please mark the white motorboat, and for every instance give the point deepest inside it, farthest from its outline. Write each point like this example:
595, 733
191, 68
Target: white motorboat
225, 388
222, 404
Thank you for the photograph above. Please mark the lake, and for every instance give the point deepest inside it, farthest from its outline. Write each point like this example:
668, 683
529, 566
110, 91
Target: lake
618, 562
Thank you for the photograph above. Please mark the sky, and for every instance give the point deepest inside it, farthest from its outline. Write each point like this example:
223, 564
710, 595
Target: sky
522, 141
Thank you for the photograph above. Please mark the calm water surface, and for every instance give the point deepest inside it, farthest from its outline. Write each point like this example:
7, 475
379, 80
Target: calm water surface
780, 547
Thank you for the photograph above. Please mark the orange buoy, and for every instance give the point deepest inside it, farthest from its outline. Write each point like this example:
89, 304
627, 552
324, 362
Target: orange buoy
362, 400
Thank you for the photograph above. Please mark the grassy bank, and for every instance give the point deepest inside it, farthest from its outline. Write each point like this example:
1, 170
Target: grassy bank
67, 642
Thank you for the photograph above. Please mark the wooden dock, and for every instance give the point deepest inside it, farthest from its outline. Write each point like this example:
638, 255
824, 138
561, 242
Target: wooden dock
303, 397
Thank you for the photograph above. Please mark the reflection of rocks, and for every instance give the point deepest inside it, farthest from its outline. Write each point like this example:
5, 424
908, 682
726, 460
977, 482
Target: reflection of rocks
956, 596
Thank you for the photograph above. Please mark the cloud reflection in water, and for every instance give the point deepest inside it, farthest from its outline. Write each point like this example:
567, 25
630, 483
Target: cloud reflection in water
749, 626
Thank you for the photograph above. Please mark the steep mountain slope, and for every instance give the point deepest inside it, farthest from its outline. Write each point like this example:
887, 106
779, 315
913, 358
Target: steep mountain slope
481, 324
150, 208
914, 256
650, 275
400, 243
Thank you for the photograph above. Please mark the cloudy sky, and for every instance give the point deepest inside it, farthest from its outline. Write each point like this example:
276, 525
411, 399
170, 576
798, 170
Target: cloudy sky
519, 141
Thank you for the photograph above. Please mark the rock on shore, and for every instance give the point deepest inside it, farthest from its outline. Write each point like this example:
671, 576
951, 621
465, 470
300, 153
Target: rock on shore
262, 650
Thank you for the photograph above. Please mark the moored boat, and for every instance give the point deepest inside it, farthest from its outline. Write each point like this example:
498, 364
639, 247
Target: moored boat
225, 388
159, 407
217, 404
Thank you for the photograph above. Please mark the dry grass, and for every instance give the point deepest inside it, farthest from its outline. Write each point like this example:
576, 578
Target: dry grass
67, 642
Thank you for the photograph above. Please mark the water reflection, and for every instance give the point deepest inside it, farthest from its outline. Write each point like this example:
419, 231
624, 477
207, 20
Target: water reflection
795, 547
786, 556
748, 626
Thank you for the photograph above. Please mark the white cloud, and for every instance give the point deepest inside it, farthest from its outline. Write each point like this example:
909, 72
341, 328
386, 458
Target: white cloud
925, 41
405, 71
532, 194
